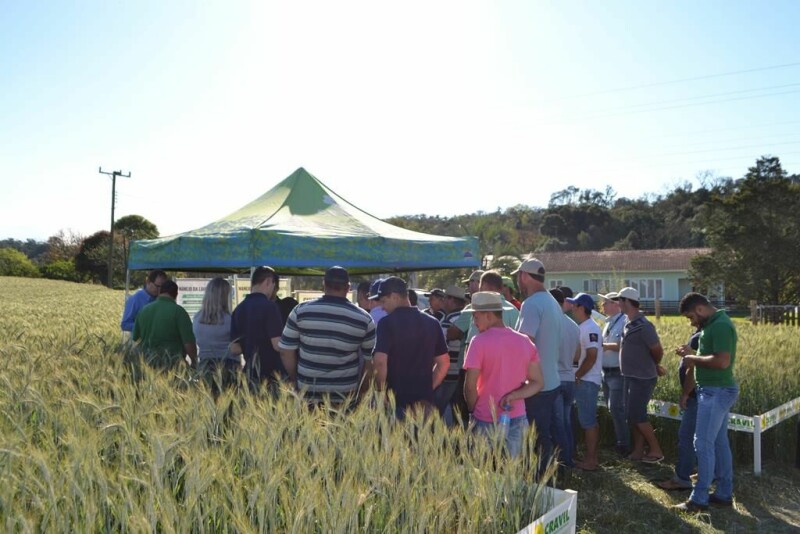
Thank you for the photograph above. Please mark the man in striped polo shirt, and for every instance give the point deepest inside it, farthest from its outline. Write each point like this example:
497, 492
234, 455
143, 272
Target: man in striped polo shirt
328, 333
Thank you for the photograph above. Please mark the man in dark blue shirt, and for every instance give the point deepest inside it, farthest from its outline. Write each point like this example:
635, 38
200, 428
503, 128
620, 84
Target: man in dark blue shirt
410, 355
256, 327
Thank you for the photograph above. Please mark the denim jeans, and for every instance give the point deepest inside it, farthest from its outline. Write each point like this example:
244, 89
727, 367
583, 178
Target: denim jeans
514, 437
711, 442
443, 398
586, 403
540, 409
614, 394
562, 423
686, 456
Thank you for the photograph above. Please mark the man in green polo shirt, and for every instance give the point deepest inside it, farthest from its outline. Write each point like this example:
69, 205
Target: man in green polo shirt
716, 392
163, 328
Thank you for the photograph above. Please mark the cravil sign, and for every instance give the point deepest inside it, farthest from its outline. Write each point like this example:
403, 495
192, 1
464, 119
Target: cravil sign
554, 525
561, 519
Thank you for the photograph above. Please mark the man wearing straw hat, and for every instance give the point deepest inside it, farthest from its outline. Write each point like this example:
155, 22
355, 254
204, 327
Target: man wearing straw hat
502, 371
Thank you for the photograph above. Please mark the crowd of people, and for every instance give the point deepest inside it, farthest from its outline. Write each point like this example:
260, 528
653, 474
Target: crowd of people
477, 356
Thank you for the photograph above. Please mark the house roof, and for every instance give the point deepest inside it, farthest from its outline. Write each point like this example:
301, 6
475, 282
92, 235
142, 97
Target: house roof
674, 259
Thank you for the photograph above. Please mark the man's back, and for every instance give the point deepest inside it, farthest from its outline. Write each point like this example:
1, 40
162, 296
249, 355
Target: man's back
412, 340
163, 326
570, 341
255, 322
540, 318
328, 333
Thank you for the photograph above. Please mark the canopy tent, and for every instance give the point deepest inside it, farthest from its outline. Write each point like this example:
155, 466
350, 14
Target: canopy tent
301, 227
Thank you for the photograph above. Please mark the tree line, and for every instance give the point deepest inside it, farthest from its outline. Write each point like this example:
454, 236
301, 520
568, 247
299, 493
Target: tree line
752, 225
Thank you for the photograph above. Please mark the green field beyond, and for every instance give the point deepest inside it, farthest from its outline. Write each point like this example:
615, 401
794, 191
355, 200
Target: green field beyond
85, 446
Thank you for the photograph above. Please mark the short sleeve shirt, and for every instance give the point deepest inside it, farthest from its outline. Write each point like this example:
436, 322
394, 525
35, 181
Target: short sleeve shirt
591, 338
719, 335
502, 356
612, 333
635, 358
256, 320
540, 318
570, 341
163, 326
411, 340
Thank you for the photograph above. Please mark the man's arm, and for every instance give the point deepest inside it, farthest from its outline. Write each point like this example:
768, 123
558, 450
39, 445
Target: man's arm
577, 356
471, 388
289, 360
454, 333
718, 360
440, 366
190, 349
530, 388
380, 369
275, 341
656, 352
688, 386
588, 362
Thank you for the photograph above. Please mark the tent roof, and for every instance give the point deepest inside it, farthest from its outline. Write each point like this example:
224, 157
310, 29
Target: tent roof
300, 226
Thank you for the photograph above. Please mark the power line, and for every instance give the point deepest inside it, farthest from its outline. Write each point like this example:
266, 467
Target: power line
672, 82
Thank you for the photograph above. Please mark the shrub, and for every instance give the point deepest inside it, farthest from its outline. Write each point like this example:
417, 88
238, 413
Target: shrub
15, 263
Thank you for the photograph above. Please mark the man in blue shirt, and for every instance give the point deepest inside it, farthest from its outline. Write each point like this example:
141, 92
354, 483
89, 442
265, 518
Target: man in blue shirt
541, 319
142, 298
256, 327
410, 355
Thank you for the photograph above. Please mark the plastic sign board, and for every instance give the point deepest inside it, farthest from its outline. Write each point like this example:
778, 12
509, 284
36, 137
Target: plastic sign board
190, 293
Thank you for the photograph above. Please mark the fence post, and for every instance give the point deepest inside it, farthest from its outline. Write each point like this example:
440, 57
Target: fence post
757, 444
658, 308
754, 312
797, 446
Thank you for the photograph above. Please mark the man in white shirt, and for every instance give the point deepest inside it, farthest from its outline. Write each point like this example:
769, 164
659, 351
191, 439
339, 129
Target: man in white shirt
588, 377
613, 391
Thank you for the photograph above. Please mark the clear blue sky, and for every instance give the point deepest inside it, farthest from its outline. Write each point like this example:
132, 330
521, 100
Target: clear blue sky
401, 108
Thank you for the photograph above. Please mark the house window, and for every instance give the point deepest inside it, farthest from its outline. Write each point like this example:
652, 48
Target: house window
556, 283
597, 285
649, 288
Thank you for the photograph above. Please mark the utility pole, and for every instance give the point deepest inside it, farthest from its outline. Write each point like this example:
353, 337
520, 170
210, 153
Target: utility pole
113, 175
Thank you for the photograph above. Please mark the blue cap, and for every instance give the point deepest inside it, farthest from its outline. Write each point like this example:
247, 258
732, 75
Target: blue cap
582, 299
387, 286
374, 288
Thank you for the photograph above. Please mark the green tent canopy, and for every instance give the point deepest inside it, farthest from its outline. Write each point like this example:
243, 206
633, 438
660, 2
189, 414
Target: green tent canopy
300, 227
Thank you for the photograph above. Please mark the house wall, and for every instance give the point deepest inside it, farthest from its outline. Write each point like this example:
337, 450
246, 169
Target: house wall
672, 283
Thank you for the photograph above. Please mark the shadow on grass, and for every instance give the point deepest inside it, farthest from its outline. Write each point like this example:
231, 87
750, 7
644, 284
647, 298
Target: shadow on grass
622, 497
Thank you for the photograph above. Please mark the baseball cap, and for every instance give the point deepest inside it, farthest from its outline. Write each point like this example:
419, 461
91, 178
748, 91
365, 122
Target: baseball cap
390, 285
374, 288
474, 277
487, 301
531, 266
609, 296
509, 282
628, 293
567, 291
456, 292
337, 275
582, 299
436, 292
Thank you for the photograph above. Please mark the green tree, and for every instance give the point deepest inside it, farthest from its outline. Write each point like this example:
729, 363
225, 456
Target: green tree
92, 258
15, 263
129, 229
753, 229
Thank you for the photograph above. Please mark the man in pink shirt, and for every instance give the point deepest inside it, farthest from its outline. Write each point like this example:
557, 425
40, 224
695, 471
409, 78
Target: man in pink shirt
502, 370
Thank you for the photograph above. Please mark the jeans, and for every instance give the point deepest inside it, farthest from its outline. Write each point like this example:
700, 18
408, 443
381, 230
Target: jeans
586, 402
613, 392
686, 456
443, 397
514, 437
711, 442
540, 409
562, 423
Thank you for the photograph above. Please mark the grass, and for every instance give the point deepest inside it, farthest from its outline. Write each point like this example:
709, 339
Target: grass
84, 447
